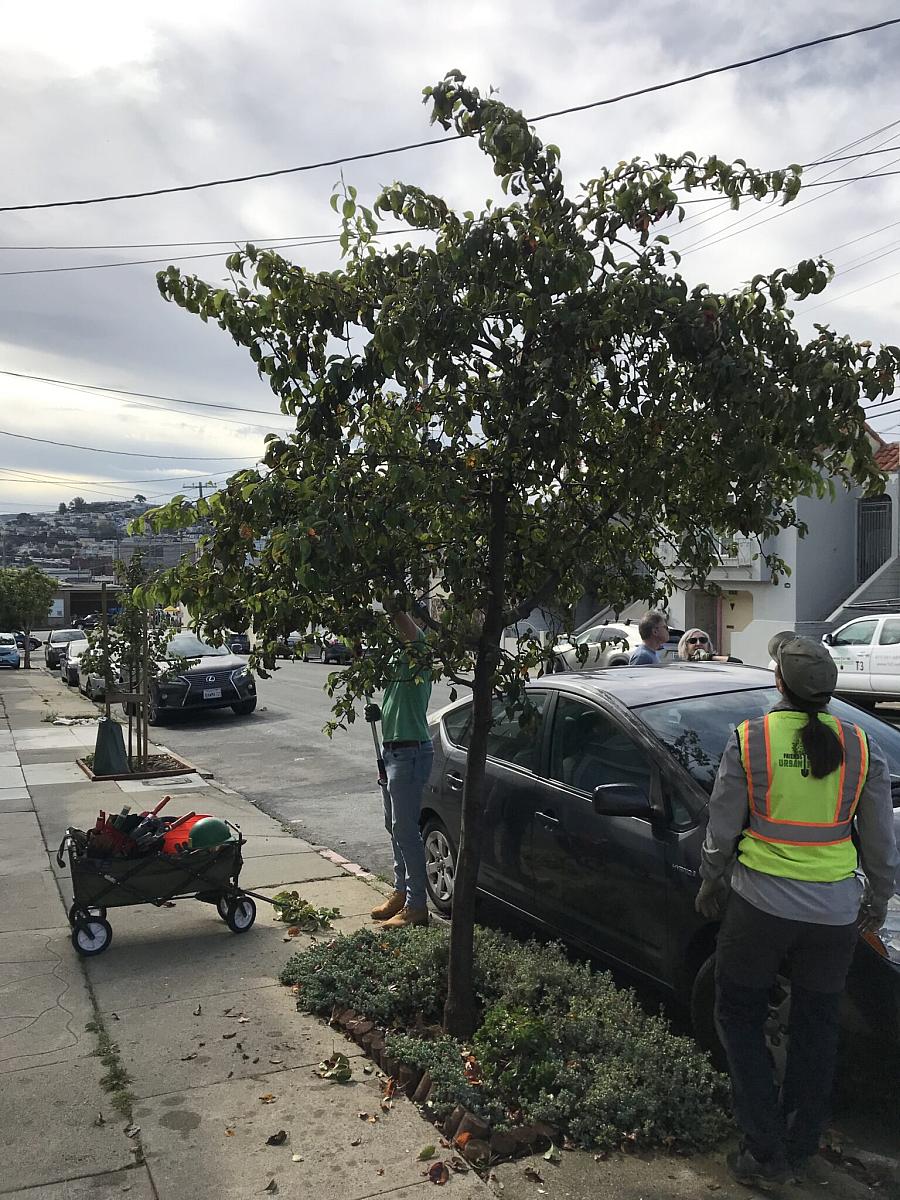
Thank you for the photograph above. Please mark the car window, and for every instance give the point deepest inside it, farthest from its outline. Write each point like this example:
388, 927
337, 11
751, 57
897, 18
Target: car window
456, 725
66, 635
7, 639
697, 730
588, 749
860, 633
514, 735
890, 632
188, 645
515, 732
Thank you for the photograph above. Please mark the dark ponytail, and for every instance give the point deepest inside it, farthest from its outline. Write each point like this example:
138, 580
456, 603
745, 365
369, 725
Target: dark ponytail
821, 744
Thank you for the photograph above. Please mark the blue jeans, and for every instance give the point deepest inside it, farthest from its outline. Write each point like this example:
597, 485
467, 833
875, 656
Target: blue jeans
407, 773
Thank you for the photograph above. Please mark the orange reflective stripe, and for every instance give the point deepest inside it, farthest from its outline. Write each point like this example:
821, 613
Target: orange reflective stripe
744, 743
780, 841
840, 795
864, 766
769, 775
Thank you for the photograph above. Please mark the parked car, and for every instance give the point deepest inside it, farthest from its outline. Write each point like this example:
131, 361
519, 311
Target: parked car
238, 643
9, 651
594, 816
289, 645
88, 622
333, 649
33, 642
70, 661
609, 646
196, 676
56, 643
867, 653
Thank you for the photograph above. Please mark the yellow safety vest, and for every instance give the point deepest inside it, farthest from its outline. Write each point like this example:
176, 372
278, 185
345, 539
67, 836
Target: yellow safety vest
799, 827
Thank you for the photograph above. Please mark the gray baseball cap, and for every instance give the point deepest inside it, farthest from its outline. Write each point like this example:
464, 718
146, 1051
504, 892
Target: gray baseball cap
806, 667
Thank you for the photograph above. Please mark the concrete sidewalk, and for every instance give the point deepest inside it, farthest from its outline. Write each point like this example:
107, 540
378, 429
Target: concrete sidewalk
218, 1057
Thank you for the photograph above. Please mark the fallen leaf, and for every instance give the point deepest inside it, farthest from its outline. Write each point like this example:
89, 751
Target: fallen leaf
295, 988
438, 1173
229, 1133
256, 1060
601, 1157
368, 1069
462, 1139
553, 1155
188, 1057
277, 1139
271, 1187
226, 1036
533, 1175
372, 1119
356, 1142
132, 1131
294, 931
100, 1119
198, 1010
425, 1153
296, 1158
380, 1171
337, 1068
115, 1016
457, 1165
268, 1098
276, 1062
363, 1116
201, 1044
243, 1020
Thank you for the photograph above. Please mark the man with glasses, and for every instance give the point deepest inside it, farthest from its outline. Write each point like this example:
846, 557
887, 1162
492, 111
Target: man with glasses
654, 634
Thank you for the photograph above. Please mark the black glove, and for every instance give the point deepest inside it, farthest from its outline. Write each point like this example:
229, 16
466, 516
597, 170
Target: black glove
710, 900
372, 713
872, 914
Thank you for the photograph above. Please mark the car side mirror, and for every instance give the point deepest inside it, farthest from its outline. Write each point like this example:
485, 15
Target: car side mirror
827, 639
621, 800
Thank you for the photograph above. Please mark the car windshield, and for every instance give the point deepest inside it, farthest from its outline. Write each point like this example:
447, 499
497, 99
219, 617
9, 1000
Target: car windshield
188, 645
7, 639
697, 730
66, 635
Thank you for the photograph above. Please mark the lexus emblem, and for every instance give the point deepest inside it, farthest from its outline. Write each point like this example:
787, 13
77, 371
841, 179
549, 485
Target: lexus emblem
210, 679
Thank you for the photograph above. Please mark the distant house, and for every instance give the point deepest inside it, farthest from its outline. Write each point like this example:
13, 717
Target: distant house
850, 556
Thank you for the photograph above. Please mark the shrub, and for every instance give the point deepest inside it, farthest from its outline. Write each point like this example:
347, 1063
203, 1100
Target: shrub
556, 1042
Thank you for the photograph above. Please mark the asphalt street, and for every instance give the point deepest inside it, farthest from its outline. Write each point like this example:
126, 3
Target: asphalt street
326, 789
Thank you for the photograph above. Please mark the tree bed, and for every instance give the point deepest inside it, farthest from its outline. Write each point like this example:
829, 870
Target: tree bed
561, 1056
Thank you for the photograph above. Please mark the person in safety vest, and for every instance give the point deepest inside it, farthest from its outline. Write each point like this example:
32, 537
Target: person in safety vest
792, 788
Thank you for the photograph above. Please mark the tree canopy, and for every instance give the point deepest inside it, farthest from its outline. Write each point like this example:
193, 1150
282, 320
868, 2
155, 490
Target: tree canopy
25, 597
528, 403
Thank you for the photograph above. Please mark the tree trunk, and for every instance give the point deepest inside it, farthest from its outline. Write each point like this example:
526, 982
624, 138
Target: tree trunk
27, 646
460, 1012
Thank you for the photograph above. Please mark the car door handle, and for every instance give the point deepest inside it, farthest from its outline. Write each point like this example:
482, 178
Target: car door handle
548, 818
455, 781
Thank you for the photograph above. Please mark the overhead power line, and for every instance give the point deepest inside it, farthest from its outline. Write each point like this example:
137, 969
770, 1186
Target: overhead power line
96, 387
372, 154
24, 437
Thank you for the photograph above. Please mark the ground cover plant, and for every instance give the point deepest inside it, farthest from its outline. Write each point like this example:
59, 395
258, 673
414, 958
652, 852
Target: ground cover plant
556, 1041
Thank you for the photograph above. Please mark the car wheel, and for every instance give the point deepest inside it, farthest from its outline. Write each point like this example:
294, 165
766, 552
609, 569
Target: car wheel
154, 714
440, 864
306, 656
245, 708
619, 662
703, 1003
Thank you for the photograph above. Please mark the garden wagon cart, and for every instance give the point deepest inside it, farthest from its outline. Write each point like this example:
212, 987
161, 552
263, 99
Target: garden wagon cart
210, 874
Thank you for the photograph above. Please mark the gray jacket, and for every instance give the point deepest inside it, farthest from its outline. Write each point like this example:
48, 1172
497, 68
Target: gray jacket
827, 903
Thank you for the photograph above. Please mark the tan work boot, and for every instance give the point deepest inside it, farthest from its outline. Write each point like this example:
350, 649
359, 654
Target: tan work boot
390, 908
407, 916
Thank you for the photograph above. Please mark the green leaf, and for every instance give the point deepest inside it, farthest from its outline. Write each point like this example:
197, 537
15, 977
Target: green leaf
553, 1155
425, 1153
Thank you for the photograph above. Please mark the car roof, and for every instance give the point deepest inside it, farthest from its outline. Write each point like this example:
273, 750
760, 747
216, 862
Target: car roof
636, 686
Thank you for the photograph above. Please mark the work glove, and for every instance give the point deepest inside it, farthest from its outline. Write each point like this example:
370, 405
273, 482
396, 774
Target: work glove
710, 900
372, 713
872, 913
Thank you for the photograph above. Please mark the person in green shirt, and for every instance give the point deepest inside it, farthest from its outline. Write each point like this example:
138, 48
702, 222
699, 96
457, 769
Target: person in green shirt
408, 756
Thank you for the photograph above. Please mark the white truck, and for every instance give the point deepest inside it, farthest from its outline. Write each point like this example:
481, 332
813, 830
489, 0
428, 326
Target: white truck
867, 653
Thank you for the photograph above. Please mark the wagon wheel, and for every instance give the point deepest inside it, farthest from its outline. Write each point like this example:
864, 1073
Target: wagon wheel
241, 914
91, 936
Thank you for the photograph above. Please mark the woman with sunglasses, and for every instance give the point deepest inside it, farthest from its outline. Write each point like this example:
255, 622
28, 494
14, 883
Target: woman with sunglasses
696, 646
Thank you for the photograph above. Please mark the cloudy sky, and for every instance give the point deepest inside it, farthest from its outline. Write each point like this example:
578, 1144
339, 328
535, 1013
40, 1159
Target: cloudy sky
106, 98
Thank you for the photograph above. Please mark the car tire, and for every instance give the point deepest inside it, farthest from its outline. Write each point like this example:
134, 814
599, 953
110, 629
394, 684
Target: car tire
245, 708
154, 712
306, 656
440, 864
619, 662
703, 1005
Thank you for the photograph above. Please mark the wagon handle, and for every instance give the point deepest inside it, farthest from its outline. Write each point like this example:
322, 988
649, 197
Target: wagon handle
63, 846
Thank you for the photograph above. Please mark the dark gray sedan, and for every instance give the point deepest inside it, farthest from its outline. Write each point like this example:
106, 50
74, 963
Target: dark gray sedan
594, 816
196, 676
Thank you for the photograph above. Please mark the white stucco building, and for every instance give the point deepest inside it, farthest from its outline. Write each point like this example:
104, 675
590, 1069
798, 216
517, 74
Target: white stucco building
850, 555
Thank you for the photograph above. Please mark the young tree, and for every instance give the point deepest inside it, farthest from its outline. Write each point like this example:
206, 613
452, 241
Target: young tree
25, 597
532, 403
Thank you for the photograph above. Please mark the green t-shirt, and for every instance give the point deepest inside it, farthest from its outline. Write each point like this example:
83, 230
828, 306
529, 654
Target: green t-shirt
405, 703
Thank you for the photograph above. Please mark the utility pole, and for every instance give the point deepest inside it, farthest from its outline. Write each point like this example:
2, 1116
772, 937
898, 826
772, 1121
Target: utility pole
198, 487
